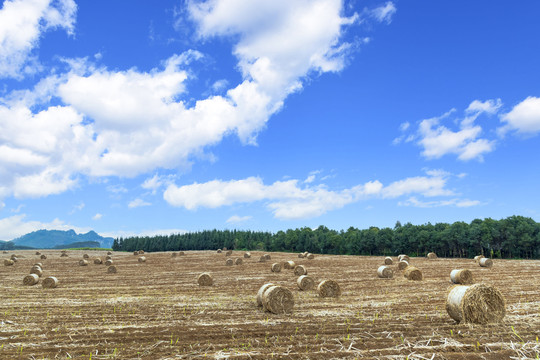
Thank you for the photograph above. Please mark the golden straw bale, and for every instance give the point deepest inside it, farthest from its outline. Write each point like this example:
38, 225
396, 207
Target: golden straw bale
174, 254
301, 256
403, 257
461, 276
219, 251
267, 256
228, 253
181, 253
276, 267
478, 257
262, 258
262, 289
43, 257
388, 260
247, 255
229, 262
305, 283
402, 265
36, 270
289, 265
310, 256
205, 279
49, 282
30, 280
238, 261
38, 253
13, 257
83, 262
486, 262
412, 273
135, 253
86, 256
278, 300
385, 272
39, 264
109, 253
98, 261
108, 257
300, 270
478, 304
108, 262
431, 255
8, 262
141, 252
112, 269
64, 255
328, 288
142, 259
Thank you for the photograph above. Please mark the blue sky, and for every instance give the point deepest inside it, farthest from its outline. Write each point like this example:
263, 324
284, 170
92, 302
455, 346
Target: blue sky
157, 117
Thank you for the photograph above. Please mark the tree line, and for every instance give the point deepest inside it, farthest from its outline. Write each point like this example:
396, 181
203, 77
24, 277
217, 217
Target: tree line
512, 237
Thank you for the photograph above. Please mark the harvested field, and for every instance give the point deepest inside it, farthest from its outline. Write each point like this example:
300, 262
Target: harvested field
160, 311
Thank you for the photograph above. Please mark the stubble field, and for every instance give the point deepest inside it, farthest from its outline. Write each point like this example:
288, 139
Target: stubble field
156, 310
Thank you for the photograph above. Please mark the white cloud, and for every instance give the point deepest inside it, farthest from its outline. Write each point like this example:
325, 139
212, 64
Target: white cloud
97, 216
524, 117
15, 226
460, 203
21, 24
77, 207
384, 13
235, 219
155, 182
138, 203
288, 200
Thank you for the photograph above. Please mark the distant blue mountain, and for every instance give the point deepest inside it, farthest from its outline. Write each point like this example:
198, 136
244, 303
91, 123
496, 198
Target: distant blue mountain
48, 239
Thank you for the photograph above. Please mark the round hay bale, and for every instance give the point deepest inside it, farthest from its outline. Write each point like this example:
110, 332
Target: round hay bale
43, 257
262, 289
108, 257
247, 255
142, 259
229, 262
4, 252
228, 253
64, 255
98, 261
403, 257
385, 272
39, 264
278, 300
36, 270
267, 257
135, 253
13, 257
238, 261
478, 257
83, 262
412, 273
305, 283
219, 251
38, 253
431, 255
262, 258
86, 256
49, 282
174, 254
181, 253
301, 256
402, 265
310, 256
30, 280
109, 253
486, 262
388, 260
63, 251
8, 262
112, 269
108, 262
205, 279
461, 276
478, 304
276, 267
289, 265
300, 270
141, 252
328, 288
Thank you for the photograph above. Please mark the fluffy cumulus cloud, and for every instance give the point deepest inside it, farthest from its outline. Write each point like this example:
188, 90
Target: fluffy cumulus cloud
138, 203
290, 200
21, 24
524, 117
128, 122
467, 142
17, 225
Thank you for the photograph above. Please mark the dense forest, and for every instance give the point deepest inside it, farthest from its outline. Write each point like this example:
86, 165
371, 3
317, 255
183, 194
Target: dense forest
513, 237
